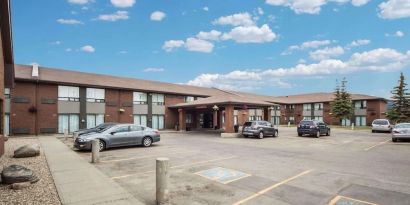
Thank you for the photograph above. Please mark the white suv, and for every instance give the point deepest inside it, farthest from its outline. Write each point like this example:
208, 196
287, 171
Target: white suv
381, 125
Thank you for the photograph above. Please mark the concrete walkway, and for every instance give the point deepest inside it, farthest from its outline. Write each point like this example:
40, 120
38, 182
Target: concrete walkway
79, 182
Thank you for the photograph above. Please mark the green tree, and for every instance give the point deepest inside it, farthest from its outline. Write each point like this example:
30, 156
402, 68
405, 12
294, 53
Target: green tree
342, 102
400, 111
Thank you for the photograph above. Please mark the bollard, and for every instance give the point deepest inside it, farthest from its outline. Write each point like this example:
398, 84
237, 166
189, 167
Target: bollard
65, 134
95, 149
352, 126
162, 166
288, 124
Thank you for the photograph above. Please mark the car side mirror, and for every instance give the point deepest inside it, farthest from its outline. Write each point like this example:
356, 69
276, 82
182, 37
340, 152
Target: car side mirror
112, 133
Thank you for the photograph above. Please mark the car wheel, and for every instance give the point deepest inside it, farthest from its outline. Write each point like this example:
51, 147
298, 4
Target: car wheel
394, 139
276, 133
246, 136
299, 134
102, 145
261, 135
147, 141
328, 133
373, 131
318, 134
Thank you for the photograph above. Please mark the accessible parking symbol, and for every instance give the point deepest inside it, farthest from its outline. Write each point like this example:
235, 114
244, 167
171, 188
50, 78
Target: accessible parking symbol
222, 175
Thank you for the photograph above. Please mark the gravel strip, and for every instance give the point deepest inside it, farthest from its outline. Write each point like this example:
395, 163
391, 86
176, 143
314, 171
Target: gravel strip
42, 192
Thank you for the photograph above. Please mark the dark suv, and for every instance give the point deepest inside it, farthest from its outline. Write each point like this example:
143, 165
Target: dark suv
259, 129
313, 127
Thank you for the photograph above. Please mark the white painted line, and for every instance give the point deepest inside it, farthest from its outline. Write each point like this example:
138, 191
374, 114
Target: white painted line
177, 166
338, 197
142, 157
272, 187
380, 143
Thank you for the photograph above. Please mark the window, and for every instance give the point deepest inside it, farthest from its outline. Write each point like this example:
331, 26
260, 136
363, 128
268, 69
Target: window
307, 107
289, 107
275, 120
158, 122
188, 118
94, 119
68, 93
158, 99
95, 95
346, 122
189, 98
360, 120
255, 117
69, 122
318, 106
122, 129
307, 118
318, 118
134, 128
7, 93
140, 98
140, 120
362, 104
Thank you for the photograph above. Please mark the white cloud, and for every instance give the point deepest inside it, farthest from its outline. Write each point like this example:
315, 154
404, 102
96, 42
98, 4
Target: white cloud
260, 11
123, 3
80, 1
155, 70
310, 6
68, 49
172, 44
306, 45
69, 21
250, 34
212, 35
360, 42
377, 60
206, 8
326, 53
56, 43
239, 19
394, 9
157, 16
399, 34
119, 15
199, 45
88, 49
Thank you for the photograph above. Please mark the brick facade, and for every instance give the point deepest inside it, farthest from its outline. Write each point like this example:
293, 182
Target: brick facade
171, 115
2, 66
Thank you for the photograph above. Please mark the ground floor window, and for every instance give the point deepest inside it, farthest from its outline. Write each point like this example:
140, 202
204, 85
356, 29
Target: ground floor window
6, 124
94, 120
308, 118
319, 118
360, 120
68, 122
158, 122
346, 122
255, 117
275, 120
140, 120
188, 118
235, 119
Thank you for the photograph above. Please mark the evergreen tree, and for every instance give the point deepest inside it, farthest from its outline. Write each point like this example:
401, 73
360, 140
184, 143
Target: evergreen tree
401, 103
342, 103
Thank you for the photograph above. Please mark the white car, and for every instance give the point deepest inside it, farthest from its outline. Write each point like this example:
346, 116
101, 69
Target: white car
381, 125
400, 131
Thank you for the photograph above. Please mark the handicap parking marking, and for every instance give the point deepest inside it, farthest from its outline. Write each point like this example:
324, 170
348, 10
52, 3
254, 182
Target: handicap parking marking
343, 200
222, 175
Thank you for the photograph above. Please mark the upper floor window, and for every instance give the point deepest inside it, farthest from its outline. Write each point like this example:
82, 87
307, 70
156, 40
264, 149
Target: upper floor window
189, 98
290, 107
140, 98
158, 99
361, 104
307, 107
7, 93
318, 106
68, 93
95, 95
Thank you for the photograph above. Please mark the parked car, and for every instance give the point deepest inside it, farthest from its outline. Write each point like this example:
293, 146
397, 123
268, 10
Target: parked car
381, 125
313, 128
259, 129
119, 135
400, 131
98, 128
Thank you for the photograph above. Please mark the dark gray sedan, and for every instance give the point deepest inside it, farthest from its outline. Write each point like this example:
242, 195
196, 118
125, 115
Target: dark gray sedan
119, 135
400, 131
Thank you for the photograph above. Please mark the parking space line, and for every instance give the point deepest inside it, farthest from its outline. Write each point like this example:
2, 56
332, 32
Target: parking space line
376, 145
272, 187
338, 197
142, 157
177, 166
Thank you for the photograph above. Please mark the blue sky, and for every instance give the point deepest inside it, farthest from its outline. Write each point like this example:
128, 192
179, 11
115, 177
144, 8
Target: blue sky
273, 47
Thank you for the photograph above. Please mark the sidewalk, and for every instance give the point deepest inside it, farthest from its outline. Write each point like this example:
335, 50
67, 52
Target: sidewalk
79, 182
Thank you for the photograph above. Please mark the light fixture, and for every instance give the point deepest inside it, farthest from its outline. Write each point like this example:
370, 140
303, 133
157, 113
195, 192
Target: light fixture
215, 107
271, 108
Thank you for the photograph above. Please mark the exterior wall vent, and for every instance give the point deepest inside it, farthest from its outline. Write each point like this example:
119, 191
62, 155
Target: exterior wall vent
34, 71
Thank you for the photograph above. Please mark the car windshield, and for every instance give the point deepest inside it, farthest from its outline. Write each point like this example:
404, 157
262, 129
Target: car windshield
402, 126
248, 124
305, 122
104, 127
380, 122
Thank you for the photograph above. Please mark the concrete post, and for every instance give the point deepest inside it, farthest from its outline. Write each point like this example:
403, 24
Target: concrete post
352, 126
95, 148
289, 124
65, 134
162, 165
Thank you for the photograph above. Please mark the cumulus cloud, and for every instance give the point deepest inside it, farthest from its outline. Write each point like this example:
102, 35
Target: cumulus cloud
260, 11
88, 49
157, 16
119, 15
360, 42
212, 35
250, 34
306, 45
81, 2
123, 3
172, 44
153, 70
69, 21
326, 53
239, 19
377, 60
397, 34
394, 9
206, 8
310, 6
199, 45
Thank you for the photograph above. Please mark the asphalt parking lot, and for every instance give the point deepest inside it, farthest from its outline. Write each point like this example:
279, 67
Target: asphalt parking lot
346, 168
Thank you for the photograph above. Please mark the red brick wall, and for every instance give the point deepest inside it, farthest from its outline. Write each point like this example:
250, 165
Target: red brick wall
171, 115
298, 113
115, 100
243, 116
376, 109
47, 114
111, 105
20, 117
126, 103
1, 96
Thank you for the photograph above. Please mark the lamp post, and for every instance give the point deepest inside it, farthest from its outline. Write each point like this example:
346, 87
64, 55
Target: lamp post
215, 121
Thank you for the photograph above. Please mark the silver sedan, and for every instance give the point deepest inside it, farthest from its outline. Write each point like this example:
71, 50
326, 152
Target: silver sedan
401, 131
119, 135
